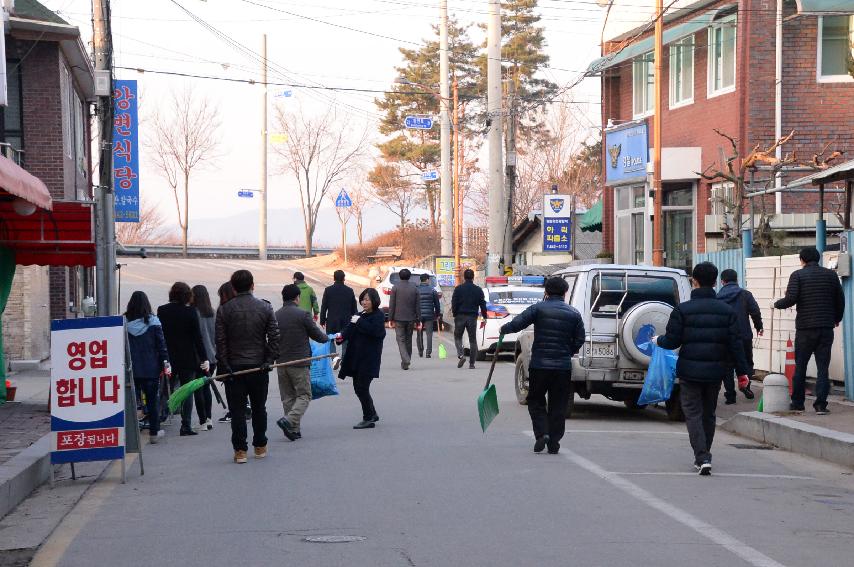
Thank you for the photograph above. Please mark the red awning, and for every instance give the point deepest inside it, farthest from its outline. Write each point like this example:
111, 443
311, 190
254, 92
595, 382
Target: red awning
64, 236
19, 182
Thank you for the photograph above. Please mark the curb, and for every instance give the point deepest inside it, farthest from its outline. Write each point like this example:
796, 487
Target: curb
23, 473
791, 435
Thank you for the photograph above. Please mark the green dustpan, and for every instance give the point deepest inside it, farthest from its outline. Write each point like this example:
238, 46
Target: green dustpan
487, 401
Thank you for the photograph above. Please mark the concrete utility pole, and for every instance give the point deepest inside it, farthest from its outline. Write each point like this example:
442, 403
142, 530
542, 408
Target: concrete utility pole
458, 209
510, 170
262, 210
446, 221
105, 281
497, 205
658, 196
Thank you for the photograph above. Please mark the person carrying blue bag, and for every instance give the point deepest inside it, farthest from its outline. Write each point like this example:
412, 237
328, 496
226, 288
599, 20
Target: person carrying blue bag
658, 385
322, 375
706, 329
296, 327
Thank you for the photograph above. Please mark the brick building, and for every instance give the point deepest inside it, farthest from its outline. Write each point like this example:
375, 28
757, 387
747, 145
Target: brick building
45, 129
719, 71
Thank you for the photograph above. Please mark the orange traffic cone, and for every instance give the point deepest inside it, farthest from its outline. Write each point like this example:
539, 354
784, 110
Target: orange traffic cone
790, 363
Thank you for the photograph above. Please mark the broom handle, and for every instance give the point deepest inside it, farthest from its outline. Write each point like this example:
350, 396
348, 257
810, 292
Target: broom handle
222, 377
494, 360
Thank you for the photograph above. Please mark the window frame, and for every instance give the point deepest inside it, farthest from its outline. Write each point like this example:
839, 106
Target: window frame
711, 92
14, 66
820, 78
689, 42
717, 192
649, 65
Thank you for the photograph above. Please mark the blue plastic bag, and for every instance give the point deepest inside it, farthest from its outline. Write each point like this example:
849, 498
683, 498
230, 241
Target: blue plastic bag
658, 384
322, 377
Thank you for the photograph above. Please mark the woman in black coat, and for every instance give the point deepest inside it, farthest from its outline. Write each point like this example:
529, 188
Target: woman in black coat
364, 336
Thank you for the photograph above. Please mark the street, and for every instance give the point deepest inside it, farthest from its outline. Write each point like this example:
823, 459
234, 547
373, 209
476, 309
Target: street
427, 487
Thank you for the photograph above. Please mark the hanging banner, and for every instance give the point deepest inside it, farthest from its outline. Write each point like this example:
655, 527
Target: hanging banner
125, 151
557, 223
87, 389
627, 154
446, 269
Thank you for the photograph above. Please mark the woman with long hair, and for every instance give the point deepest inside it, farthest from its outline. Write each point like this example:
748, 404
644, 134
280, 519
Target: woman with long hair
226, 293
364, 336
149, 356
203, 396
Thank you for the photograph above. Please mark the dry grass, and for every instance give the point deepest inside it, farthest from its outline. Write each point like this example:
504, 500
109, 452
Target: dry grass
418, 243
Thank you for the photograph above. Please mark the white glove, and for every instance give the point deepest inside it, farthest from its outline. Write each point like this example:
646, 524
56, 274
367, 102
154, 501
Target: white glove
354, 318
206, 366
773, 301
654, 339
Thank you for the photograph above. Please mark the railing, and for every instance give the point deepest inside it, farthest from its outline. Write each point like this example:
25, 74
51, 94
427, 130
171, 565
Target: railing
196, 251
14, 154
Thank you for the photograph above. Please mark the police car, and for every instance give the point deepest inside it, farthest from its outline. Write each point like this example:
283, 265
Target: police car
506, 297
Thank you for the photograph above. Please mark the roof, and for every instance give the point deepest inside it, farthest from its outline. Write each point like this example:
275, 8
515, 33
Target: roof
842, 172
32, 10
591, 221
821, 7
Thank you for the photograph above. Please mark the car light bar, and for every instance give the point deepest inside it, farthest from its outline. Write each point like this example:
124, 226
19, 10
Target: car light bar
515, 280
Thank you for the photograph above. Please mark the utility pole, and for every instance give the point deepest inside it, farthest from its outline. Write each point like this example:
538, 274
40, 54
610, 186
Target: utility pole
458, 210
446, 221
494, 124
106, 254
657, 236
262, 211
510, 170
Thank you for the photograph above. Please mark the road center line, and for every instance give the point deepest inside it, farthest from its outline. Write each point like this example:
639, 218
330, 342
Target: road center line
741, 549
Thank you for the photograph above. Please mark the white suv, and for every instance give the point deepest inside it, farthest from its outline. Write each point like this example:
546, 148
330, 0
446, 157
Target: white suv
505, 297
384, 284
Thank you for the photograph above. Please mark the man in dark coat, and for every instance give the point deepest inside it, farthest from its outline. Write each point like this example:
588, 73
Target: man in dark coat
430, 310
337, 308
818, 295
403, 315
558, 335
296, 327
466, 302
247, 336
746, 308
183, 335
707, 331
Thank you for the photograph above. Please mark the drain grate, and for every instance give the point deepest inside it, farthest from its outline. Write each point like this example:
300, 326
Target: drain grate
754, 447
334, 539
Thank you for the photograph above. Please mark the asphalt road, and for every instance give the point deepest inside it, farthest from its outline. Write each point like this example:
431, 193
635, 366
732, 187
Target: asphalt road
428, 488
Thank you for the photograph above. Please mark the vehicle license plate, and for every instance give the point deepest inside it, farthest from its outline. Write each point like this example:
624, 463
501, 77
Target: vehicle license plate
601, 350
633, 376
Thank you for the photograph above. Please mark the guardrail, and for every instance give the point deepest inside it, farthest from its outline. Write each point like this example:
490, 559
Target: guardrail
247, 252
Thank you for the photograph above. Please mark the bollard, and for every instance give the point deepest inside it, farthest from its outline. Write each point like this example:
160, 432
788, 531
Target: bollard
775, 393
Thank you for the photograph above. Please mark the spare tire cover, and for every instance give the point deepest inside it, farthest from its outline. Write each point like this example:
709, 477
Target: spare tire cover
639, 325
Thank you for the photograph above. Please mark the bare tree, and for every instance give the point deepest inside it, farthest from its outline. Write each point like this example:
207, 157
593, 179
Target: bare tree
361, 197
393, 191
148, 229
186, 137
319, 152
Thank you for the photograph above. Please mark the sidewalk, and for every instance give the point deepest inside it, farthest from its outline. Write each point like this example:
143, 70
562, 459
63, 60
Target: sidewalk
828, 437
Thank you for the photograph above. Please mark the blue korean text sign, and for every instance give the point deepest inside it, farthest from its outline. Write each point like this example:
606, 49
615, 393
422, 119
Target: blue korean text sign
126, 151
557, 223
626, 154
87, 389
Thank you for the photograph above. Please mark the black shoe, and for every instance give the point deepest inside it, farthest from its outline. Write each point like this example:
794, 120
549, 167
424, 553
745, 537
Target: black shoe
729, 400
554, 448
748, 393
374, 419
421, 354
705, 469
365, 425
287, 428
461, 361
187, 432
471, 366
226, 418
540, 443
428, 355
820, 409
297, 435
796, 407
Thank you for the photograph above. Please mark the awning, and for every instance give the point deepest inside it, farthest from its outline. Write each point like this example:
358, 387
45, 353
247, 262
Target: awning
671, 34
825, 7
842, 172
64, 236
19, 182
591, 221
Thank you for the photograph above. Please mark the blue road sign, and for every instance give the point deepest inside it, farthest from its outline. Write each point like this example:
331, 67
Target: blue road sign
245, 193
343, 200
418, 122
284, 94
430, 175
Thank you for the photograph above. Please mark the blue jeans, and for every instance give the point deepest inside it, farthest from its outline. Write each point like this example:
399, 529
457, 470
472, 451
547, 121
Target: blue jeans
151, 388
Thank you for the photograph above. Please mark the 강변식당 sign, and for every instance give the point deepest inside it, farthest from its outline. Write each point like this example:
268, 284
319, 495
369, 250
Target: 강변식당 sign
125, 151
627, 153
87, 393
557, 223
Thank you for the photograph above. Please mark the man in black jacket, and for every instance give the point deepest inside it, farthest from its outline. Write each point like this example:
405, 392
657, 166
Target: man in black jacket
746, 308
296, 327
707, 331
558, 335
247, 336
428, 305
818, 295
466, 302
183, 336
337, 307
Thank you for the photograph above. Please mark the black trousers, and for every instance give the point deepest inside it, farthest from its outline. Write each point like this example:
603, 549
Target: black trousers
362, 387
237, 389
809, 342
151, 388
466, 324
548, 419
699, 402
729, 381
204, 400
179, 378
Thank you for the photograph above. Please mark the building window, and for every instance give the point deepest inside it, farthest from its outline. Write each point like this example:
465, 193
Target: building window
721, 197
11, 116
722, 57
79, 134
835, 48
643, 85
682, 72
630, 224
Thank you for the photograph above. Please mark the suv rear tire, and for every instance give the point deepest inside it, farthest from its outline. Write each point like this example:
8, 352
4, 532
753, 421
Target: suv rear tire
673, 406
520, 382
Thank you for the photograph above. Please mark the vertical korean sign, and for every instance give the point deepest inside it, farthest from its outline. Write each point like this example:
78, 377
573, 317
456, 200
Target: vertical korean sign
126, 151
87, 389
557, 219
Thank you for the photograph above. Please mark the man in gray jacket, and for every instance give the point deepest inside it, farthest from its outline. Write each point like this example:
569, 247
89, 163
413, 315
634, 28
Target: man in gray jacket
404, 315
296, 327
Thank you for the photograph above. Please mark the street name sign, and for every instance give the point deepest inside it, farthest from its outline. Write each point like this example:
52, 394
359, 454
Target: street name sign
430, 175
245, 193
418, 122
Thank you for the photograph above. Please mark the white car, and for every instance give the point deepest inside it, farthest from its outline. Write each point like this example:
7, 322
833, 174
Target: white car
506, 297
385, 284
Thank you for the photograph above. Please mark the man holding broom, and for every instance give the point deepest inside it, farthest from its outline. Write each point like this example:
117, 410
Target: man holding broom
247, 337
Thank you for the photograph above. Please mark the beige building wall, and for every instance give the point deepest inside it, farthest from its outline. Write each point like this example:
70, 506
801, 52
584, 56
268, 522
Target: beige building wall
26, 321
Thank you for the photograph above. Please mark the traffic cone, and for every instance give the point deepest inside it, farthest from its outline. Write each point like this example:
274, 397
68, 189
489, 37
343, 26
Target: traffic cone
790, 364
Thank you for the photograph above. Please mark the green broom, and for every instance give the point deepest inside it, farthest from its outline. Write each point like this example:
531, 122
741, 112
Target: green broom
487, 401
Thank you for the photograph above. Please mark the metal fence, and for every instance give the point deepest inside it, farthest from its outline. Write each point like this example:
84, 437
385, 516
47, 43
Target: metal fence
732, 259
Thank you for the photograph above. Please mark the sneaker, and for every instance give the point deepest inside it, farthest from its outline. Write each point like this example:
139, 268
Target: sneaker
404, 365
428, 355
260, 452
240, 457
461, 361
796, 407
153, 439
226, 418
820, 409
298, 435
705, 469
365, 425
540, 443
471, 366
286, 428
554, 448
748, 393
336, 363
375, 419
187, 432
209, 424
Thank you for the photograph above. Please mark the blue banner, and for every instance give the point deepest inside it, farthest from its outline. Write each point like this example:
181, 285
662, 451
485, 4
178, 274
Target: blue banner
626, 154
125, 151
557, 223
